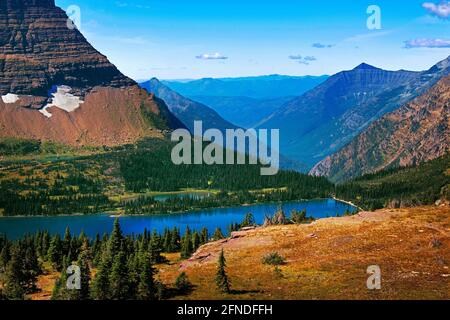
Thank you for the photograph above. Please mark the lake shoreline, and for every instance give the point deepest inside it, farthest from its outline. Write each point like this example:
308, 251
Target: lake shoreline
113, 214
211, 219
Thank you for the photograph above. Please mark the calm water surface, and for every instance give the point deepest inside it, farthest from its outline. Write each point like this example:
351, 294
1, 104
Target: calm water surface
14, 228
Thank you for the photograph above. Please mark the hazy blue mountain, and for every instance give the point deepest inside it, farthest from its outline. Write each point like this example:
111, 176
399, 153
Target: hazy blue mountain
243, 111
323, 120
263, 87
188, 111
185, 109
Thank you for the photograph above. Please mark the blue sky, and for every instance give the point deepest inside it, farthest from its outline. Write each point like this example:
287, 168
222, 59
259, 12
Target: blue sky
186, 39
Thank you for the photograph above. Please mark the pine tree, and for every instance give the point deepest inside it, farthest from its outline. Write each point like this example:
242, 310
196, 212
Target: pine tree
249, 220
96, 251
175, 240
186, 244
222, 281
45, 243
155, 249
146, 288
55, 252
15, 282
5, 256
31, 268
60, 291
167, 240
204, 236
116, 239
101, 283
195, 241
66, 242
85, 272
182, 283
218, 235
119, 283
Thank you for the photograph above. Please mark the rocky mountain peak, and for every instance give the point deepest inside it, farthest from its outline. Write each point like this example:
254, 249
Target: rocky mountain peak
365, 66
39, 50
18, 4
54, 86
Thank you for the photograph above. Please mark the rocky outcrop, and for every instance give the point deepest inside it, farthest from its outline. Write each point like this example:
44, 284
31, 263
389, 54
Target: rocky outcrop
38, 50
415, 133
55, 86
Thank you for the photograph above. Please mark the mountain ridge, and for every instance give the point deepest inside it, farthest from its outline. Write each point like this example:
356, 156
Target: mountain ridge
415, 133
326, 118
258, 87
187, 110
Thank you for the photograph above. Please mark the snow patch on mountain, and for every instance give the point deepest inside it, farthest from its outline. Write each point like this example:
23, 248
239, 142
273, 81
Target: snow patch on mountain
10, 98
62, 99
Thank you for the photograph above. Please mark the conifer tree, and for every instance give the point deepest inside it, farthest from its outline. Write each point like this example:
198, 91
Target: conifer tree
31, 268
155, 249
101, 283
60, 291
218, 235
15, 282
85, 272
45, 243
119, 282
166, 242
204, 236
55, 252
182, 283
5, 256
133, 266
146, 288
222, 281
195, 241
96, 250
249, 221
116, 239
186, 244
175, 240
66, 242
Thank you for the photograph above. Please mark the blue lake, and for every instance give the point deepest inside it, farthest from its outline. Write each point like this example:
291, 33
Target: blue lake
16, 227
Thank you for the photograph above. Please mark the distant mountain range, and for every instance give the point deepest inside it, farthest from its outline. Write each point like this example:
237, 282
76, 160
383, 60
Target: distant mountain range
415, 133
325, 119
243, 111
185, 109
262, 87
245, 101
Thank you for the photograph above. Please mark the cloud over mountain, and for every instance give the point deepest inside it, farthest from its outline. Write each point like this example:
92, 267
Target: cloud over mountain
212, 56
427, 43
302, 60
319, 45
441, 10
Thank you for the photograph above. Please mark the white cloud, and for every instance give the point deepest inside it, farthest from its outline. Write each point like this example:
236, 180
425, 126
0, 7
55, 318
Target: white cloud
212, 56
302, 60
441, 10
427, 43
319, 45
